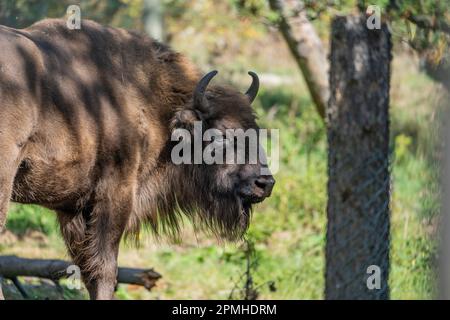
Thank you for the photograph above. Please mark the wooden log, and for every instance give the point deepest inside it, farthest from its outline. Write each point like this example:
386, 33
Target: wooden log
13, 266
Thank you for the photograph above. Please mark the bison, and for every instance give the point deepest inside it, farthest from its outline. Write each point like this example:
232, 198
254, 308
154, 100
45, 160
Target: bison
86, 118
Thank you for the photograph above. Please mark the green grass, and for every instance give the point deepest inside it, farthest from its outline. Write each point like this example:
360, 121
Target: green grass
23, 218
288, 230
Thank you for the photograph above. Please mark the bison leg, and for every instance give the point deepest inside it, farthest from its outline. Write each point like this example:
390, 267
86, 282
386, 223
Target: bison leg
93, 241
8, 168
16, 126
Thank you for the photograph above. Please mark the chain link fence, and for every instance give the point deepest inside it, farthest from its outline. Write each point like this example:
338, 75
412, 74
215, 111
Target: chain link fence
357, 249
358, 237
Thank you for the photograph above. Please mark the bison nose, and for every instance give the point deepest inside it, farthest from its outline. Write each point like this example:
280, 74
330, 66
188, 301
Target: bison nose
256, 189
266, 184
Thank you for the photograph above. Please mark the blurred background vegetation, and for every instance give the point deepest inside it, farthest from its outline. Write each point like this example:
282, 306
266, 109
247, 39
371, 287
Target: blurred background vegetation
287, 236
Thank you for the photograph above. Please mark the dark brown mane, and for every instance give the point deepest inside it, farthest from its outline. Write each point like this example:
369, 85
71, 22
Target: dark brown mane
177, 191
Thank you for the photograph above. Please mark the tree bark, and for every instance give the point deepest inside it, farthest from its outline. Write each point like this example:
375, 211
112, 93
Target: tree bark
359, 185
12, 267
306, 48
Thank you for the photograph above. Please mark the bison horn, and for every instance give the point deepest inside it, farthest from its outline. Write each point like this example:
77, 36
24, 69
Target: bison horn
254, 87
199, 93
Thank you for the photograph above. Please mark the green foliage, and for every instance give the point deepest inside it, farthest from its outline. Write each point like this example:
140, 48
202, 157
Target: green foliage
20, 13
402, 144
23, 218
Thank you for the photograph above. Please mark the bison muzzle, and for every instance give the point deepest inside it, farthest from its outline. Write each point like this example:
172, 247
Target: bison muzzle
86, 118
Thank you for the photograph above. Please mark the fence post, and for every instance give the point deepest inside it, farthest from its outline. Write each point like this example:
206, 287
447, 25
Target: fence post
357, 248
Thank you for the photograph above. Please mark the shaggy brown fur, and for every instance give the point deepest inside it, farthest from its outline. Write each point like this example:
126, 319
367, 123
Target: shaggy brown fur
85, 123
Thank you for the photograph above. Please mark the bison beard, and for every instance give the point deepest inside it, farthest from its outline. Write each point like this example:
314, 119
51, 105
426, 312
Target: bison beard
85, 123
226, 215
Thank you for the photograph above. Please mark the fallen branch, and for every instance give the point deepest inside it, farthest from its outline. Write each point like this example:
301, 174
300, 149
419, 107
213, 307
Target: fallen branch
19, 287
12, 267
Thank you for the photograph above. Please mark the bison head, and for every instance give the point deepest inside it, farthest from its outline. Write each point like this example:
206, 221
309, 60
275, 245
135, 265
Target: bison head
222, 173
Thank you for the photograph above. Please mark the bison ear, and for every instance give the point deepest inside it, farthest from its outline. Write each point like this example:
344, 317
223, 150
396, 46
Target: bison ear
200, 110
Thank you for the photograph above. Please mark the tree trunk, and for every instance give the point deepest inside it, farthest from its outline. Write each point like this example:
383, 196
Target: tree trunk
306, 48
153, 19
357, 249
